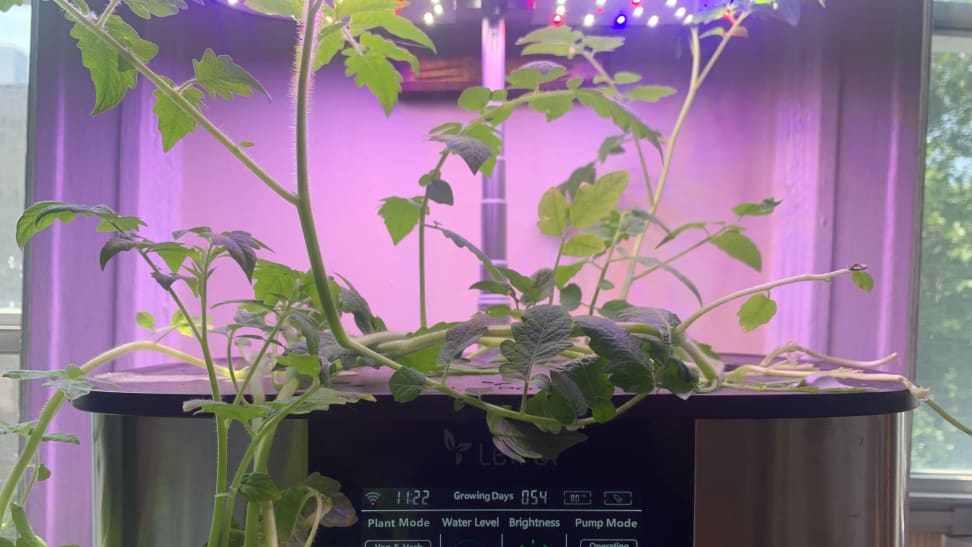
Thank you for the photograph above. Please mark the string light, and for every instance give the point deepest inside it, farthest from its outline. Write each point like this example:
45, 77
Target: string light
671, 3
557, 20
620, 20
589, 20
653, 21
561, 10
638, 11
688, 19
680, 12
428, 18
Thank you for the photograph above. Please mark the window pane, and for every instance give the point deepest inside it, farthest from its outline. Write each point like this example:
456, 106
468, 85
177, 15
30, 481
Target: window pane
945, 312
14, 45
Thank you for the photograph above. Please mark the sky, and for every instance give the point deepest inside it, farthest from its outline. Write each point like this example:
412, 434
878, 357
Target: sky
15, 28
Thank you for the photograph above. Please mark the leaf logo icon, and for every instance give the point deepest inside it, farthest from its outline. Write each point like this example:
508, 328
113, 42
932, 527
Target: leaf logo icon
452, 446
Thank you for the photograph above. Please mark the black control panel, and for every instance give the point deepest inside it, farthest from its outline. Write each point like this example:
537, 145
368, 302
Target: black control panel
515, 517
423, 475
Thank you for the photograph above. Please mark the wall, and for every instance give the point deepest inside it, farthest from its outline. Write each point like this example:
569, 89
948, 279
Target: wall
360, 157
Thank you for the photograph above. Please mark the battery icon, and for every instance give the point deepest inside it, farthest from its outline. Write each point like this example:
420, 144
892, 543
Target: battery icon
577, 497
617, 498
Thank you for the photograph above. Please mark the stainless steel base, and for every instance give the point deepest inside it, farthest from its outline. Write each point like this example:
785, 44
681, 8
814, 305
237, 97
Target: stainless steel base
154, 477
820, 482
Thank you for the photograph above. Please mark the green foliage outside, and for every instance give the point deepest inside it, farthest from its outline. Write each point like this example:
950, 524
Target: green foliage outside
945, 312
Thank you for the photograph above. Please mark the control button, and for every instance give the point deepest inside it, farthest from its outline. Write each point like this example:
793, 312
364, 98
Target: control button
617, 498
609, 543
398, 543
577, 497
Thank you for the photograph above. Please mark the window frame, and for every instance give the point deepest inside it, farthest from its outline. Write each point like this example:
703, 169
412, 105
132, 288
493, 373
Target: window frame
941, 502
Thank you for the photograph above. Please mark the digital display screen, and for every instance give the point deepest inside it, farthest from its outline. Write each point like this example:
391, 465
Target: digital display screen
502, 517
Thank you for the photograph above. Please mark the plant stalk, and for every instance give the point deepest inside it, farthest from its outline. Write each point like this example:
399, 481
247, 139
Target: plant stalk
680, 329
55, 403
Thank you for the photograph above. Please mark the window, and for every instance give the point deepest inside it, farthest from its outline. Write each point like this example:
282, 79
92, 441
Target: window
14, 48
941, 456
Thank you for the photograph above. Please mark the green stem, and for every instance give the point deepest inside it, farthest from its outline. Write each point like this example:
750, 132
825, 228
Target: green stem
560, 254
251, 371
700, 359
678, 255
109, 9
697, 77
754, 290
185, 105
948, 417
54, 404
423, 318
607, 264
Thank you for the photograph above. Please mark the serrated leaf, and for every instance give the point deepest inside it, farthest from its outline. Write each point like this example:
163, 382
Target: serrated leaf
330, 41
649, 93
765, 207
586, 385
240, 413
756, 311
583, 245
113, 247
406, 384
570, 297
400, 215
147, 9
460, 337
27, 537
655, 263
463, 243
522, 441
472, 151
112, 78
61, 438
219, 75
499, 310
553, 211
493, 287
145, 320
611, 145
551, 34
474, 99
560, 50
566, 272
543, 333
594, 201
172, 253
552, 106
863, 280
173, 122
72, 388
375, 71
321, 400
351, 301
388, 49
676, 377
344, 8
543, 282
522, 283
739, 247
624, 77
273, 282
439, 191
393, 24
308, 365
241, 247
681, 229
283, 8
582, 174
600, 44
258, 487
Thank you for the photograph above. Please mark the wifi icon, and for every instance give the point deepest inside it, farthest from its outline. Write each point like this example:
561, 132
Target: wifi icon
372, 498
